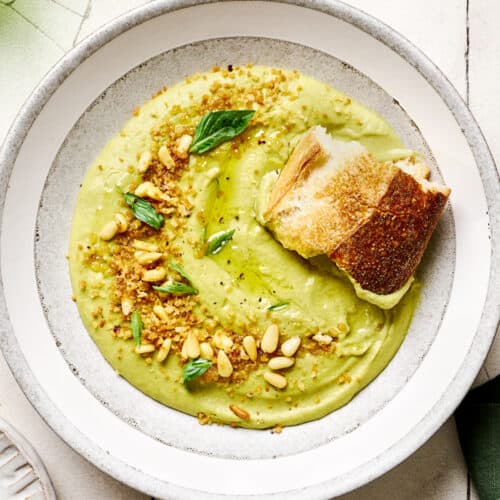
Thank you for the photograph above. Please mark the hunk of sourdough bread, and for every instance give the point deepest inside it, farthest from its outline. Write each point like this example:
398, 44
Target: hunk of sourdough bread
373, 219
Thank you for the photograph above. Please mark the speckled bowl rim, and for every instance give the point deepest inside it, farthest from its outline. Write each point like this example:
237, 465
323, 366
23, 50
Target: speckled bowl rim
482, 340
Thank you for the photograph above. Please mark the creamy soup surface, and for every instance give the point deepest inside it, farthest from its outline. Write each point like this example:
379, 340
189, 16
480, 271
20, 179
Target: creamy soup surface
233, 279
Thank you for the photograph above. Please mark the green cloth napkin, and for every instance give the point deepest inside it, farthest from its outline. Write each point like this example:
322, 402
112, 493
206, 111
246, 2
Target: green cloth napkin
478, 423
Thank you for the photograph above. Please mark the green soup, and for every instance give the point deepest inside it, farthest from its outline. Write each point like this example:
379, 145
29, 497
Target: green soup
218, 191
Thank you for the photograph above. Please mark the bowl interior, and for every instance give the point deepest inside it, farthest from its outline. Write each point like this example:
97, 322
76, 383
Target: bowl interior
103, 119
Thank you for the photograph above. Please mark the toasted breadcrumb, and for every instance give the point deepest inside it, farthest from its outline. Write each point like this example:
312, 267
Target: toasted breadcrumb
185, 313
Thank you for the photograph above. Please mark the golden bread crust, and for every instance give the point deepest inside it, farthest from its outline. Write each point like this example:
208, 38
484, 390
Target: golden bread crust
348, 201
383, 253
373, 219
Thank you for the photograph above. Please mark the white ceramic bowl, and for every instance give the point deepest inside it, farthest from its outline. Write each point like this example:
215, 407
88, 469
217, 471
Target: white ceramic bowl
84, 101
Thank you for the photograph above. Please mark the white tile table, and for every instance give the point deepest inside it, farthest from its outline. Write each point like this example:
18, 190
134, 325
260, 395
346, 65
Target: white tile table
460, 36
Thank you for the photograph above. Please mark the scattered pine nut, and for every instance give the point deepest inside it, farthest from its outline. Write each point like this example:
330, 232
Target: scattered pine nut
145, 245
239, 412
275, 379
206, 351
223, 342
126, 307
165, 157
323, 339
164, 350
149, 190
144, 161
145, 258
250, 347
154, 275
109, 231
192, 346
184, 351
280, 363
145, 349
160, 312
224, 366
270, 339
183, 144
290, 346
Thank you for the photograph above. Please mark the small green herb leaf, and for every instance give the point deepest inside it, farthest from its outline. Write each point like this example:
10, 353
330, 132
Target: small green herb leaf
219, 126
178, 269
136, 326
278, 307
194, 368
177, 289
144, 211
218, 241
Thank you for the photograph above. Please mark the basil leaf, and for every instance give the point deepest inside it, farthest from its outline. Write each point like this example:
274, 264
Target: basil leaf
219, 126
278, 307
194, 368
178, 269
218, 241
177, 289
136, 326
144, 211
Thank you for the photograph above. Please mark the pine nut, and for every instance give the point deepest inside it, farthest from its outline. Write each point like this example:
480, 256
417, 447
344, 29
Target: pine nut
149, 190
184, 351
239, 412
144, 161
192, 346
206, 351
165, 157
145, 258
223, 342
164, 350
109, 231
154, 275
270, 339
280, 363
121, 222
290, 346
275, 379
145, 245
227, 343
183, 144
160, 312
322, 339
250, 347
145, 349
224, 366
126, 307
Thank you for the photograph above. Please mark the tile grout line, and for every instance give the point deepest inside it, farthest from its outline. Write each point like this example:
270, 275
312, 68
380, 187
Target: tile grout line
84, 18
467, 99
65, 7
467, 51
46, 35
